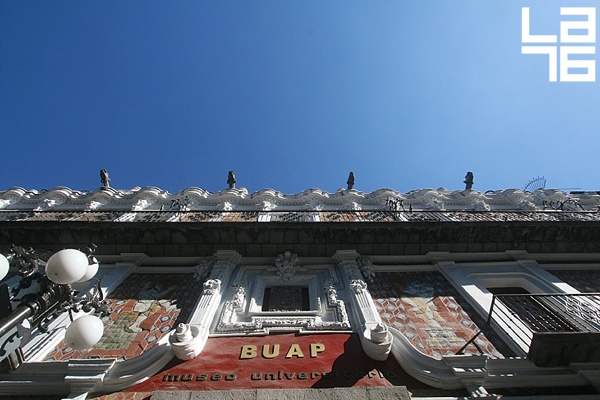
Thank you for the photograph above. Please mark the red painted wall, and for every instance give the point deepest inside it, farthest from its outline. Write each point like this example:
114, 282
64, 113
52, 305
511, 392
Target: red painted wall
337, 360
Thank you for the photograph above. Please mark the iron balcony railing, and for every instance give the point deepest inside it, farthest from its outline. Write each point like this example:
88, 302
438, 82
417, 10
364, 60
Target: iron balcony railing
564, 325
299, 216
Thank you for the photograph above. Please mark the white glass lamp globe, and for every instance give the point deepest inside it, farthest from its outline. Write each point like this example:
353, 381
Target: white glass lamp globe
4, 265
84, 332
66, 266
91, 271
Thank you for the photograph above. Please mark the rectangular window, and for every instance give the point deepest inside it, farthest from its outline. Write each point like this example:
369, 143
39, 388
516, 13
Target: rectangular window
286, 298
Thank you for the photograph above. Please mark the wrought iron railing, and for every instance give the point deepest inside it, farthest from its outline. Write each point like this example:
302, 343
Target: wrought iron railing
299, 216
522, 316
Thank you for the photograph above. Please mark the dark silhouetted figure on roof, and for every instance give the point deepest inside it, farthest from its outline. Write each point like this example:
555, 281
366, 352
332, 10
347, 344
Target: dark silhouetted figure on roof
469, 181
350, 181
231, 180
104, 178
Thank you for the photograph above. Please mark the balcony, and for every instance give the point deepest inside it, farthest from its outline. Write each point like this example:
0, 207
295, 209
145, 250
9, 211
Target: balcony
553, 329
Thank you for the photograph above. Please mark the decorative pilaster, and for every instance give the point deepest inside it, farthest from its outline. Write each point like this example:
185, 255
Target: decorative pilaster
375, 338
189, 339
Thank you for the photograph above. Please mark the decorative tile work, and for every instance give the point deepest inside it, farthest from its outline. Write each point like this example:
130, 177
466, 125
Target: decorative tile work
429, 311
144, 308
587, 281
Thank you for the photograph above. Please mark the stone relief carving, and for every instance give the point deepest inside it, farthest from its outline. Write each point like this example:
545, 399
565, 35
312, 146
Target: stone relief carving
339, 305
366, 268
287, 266
239, 298
204, 268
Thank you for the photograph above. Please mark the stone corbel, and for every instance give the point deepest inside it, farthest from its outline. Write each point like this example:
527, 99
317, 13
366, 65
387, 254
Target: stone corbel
187, 341
377, 341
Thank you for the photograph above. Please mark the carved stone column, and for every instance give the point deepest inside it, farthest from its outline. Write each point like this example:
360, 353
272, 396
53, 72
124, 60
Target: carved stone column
189, 340
375, 338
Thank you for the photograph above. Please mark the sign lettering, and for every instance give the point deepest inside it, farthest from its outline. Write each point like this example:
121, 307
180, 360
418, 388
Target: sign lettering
250, 351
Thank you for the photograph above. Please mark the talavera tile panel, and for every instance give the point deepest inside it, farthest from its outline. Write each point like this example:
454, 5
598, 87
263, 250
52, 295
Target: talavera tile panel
431, 313
144, 308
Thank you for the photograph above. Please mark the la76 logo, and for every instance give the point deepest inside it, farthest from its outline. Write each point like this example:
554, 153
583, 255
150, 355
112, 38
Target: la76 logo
571, 32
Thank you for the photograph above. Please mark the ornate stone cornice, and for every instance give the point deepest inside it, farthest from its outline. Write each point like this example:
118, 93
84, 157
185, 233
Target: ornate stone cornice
268, 200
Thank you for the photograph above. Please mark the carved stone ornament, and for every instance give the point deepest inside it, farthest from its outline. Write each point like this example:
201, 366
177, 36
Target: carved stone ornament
236, 317
358, 285
286, 266
211, 285
204, 268
19, 199
366, 268
338, 305
239, 298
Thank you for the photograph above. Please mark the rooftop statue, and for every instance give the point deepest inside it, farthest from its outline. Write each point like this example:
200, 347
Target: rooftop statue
231, 180
350, 181
104, 178
469, 181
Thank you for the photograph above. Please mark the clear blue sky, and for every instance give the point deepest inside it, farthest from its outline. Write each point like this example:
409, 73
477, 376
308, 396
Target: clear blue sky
289, 94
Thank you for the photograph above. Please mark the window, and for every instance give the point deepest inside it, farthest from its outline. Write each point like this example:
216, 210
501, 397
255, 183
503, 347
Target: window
286, 298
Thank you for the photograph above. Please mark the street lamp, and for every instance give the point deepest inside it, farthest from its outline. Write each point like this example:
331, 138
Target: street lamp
52, 297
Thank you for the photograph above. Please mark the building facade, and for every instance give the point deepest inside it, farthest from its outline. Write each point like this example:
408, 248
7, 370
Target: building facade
427, 294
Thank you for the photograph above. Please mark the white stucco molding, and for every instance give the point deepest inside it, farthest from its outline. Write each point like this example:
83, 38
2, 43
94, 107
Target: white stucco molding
375, 338
244, 311
187, 341
195, 199
198, 327
480, 373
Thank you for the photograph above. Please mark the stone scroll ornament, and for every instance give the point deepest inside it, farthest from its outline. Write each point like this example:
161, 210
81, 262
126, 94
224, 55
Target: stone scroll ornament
211, 286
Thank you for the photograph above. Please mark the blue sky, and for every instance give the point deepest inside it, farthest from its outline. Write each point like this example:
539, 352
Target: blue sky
290, 95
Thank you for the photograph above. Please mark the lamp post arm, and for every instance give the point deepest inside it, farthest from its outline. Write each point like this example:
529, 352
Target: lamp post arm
15, 318
35, 305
